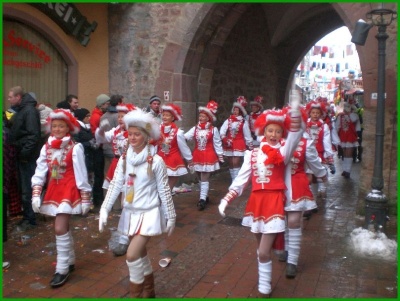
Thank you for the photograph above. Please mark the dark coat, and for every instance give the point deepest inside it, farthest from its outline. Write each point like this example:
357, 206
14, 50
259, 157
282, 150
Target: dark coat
25, 129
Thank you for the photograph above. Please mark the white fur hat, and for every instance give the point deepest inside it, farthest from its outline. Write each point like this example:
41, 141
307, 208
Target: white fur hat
144, 120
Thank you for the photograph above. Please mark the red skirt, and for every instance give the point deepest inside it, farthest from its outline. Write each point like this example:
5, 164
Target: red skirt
264, 212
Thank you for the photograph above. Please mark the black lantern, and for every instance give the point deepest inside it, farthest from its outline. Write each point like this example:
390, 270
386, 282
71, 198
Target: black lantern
376, 202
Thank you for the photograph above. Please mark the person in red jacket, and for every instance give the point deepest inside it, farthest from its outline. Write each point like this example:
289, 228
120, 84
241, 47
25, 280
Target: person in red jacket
102, 103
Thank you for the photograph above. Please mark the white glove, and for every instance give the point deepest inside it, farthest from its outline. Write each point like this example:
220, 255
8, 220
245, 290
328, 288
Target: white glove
222, 206
170, 226
36, 204
104, 125
102, 219
85, 208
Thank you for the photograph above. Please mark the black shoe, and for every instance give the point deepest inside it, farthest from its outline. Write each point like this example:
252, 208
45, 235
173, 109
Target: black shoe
71, 268
207, 200
346, 175
291, 270
58, 279
201, 205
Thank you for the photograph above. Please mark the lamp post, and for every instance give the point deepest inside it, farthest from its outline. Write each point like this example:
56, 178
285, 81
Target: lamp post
376, 201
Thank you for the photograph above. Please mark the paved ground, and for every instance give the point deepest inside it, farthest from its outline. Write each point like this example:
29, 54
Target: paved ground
212, 257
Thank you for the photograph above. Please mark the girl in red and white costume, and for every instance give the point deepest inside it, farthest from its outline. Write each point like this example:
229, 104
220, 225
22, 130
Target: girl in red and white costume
265, 167
61, 165
256, 110
347, 125
320, 133
236, 136
299, 197
148, 209
171, 146
116, 136
207, 152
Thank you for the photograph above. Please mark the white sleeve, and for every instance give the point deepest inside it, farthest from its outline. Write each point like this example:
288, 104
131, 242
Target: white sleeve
247, 133
223, 129
243, 177
291, 143
106, 138
183, 147
40, 176
313, 161
115, 187
217, 142
164, 192
190, 134
80, 171
334, 135
327, 142
355, 119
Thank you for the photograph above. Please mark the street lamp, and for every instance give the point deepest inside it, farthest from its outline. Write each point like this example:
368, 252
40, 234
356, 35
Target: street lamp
376, 201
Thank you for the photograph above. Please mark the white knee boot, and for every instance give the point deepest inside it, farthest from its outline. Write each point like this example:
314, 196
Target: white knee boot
264, 277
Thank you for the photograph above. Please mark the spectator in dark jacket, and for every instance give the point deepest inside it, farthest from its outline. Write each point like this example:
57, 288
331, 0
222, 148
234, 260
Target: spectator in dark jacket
86, 138
25, 136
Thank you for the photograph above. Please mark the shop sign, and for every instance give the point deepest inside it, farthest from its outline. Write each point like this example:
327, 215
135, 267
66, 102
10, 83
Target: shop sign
10, 55
69, 18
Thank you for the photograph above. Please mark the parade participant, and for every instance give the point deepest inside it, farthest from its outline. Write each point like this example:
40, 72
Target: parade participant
172, 147
144, 179
61, 167
265, 167
117, 136
207, 152
236, 136
299, 197
256, 110
347, 125
320, 133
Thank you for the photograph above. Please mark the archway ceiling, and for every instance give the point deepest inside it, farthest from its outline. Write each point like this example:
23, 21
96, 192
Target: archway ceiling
293, 28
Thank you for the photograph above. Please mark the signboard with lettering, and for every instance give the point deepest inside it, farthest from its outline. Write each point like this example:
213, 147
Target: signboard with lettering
69, 18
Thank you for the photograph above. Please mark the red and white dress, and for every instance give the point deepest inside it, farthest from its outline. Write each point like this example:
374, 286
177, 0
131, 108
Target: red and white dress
208, 147
347, 125
236, 136
118, 139
320, 133
298, 194
172, 148
265, 166
62, 167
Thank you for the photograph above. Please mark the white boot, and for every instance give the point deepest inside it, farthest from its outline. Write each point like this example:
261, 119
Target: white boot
264, 277
136, 273
204, 187
63, 244
294, 245
71, 259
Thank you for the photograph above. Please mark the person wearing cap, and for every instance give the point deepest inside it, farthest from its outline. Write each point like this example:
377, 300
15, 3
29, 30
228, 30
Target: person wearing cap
61, 169
148, 209
320, 133
299, 197
102, 103
171, 146
207, 152
86, 138
154, 107
256, 110
265, 168
236, 136
347, 124
25, 135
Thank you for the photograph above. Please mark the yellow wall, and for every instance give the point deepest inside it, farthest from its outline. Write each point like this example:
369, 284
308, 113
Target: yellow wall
92, 59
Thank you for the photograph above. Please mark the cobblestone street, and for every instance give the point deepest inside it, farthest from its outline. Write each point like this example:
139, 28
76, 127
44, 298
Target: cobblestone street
212, 257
